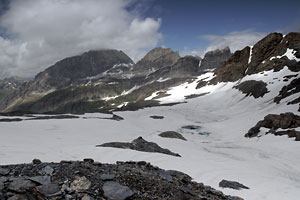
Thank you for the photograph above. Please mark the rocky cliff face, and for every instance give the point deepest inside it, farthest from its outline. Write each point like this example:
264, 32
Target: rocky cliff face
157, 58
214, 59
11, 83
275, 51
108, 79
71, 71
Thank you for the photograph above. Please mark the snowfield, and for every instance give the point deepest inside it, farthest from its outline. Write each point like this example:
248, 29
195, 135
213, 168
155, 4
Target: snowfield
269, 165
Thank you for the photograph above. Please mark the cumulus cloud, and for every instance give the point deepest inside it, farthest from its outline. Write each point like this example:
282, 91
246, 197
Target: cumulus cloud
236, 40
38, 33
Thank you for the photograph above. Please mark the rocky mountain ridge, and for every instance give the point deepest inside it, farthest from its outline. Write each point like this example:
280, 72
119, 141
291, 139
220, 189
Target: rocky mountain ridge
101, 81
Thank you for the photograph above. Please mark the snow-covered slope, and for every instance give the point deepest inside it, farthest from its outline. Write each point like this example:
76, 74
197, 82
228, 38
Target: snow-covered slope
269, 165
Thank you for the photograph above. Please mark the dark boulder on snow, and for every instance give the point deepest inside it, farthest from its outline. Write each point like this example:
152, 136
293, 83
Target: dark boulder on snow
84, 180
157, 117
171, 134
140, 144
232, 184
253, 88
287, 121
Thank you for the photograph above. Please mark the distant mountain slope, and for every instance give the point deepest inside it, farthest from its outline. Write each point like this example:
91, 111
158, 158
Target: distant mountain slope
106, 79
109, 80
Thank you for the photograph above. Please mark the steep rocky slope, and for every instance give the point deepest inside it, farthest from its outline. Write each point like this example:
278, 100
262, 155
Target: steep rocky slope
91, 180
105, 80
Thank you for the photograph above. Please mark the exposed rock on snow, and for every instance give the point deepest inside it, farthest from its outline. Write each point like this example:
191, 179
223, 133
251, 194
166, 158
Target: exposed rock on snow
232, 184
171, 134
140, 144
156, 117
83, 180
290, 89
253, 88
275, 122
214, 59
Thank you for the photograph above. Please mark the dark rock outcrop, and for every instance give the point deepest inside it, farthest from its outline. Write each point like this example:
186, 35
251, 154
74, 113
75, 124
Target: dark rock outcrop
157, 117
11, 83
273, 122
155, 59
253, 88
83, 180
171, 134
70, 71
266, 54
288, 90
140, 144
234, 68
214, 59
232, 184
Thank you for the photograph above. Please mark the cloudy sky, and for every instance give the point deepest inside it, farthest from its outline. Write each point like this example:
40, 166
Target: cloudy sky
36, 33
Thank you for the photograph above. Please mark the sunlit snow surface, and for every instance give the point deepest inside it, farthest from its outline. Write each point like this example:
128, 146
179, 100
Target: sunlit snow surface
269, 165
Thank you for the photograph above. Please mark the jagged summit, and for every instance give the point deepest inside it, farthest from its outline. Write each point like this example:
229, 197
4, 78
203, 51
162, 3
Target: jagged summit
214, 59
159, 52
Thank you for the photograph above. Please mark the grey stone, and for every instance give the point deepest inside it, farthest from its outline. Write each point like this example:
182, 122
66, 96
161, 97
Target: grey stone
115, 191
4, 171
232, 184
36, 161
165, 175
20, 185
171, 134
1, 185
49, 189
43, 180
80, 183
106, 177
140, 144
47, 170
18, 197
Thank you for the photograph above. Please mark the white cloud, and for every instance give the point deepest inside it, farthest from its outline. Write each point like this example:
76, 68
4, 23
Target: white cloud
236, 40
42, 32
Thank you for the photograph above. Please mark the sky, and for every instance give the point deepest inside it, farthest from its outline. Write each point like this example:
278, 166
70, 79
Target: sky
34, 34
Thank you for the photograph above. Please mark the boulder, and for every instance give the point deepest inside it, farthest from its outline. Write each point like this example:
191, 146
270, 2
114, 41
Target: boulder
171, 134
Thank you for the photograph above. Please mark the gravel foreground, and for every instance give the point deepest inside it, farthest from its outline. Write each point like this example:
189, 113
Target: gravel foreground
89, 180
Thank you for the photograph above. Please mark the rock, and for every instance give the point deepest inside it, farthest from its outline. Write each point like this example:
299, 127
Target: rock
1, 186
86, 197
36, 161
232, 184
131, 180
115, 191
171, 134
273, 122
214, 59
88, 160
49, 189
292, 88
106, 177
4, 171
253, 88
164, 175
80, 183
20, 185
11, 120
47, 170
140, 144
18, 197
43, 180
157, 117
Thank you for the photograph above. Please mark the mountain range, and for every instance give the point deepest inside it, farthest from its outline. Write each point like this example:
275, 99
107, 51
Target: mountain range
106, 80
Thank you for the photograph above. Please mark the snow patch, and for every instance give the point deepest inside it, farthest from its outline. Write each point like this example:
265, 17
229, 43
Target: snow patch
290, 54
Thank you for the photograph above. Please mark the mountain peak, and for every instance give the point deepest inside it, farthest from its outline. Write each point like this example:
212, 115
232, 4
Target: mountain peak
159, 52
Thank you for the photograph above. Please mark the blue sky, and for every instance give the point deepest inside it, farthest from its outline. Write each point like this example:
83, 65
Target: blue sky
34, 34
184, 21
